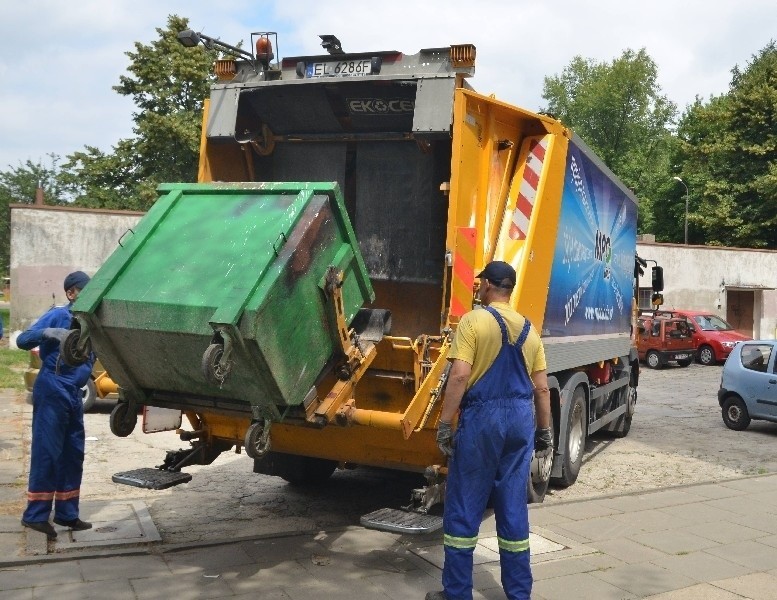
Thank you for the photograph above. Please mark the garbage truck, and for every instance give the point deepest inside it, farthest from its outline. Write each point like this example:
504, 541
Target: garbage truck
298, 302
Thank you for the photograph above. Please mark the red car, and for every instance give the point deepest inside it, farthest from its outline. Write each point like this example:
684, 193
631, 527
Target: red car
713, 337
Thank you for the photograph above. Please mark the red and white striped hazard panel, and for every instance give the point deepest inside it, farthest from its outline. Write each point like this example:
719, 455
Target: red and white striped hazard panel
527, 192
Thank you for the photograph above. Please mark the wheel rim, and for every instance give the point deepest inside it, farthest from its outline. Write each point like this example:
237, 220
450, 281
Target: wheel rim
575, 443
652, 360
632, 401
706, 356
734, 413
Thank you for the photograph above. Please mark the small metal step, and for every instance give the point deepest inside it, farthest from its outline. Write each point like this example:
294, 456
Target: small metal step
152, 479
401, 521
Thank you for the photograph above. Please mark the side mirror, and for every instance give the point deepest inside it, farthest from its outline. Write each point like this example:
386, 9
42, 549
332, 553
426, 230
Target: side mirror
658, 279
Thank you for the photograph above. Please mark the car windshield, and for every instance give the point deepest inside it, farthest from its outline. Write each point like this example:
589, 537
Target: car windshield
711, 323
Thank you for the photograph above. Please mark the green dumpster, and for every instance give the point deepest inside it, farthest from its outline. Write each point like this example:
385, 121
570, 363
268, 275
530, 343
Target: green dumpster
226, 265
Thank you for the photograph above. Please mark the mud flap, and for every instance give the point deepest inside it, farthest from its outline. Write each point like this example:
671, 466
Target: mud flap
401, 521
152, 479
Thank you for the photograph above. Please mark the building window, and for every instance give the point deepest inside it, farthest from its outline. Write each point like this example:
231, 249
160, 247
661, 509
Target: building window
644, 300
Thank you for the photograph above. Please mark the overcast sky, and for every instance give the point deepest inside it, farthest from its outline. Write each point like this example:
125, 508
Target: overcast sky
58, 60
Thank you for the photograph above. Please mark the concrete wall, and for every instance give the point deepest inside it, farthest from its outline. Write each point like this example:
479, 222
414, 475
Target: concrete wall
49, 242
705, 277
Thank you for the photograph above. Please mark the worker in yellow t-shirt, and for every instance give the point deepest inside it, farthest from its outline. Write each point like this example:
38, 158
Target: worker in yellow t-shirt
498, 383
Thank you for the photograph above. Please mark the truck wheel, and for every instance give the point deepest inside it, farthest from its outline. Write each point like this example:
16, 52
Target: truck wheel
622, 425
706, 355
735, 414
122, 422
653, 360
89, 395
575, 440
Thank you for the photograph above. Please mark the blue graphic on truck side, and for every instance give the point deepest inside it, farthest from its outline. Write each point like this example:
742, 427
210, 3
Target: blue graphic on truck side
591, 278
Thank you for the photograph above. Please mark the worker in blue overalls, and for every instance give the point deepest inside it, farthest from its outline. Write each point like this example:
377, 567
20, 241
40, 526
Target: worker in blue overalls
57, 454
498, 384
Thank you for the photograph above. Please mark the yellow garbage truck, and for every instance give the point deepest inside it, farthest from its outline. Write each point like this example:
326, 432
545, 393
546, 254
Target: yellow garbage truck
299, 301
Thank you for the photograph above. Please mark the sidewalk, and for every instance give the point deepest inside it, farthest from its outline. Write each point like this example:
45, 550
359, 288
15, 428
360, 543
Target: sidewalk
713, 541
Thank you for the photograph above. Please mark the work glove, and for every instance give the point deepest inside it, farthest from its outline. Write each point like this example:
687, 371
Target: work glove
445, 438
55, 333
543, 442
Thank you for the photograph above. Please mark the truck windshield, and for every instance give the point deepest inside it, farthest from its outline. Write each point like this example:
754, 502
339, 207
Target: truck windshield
711, 323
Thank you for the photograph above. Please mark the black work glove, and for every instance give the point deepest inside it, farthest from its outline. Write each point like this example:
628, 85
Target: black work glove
543, 442
55, 333
445, 438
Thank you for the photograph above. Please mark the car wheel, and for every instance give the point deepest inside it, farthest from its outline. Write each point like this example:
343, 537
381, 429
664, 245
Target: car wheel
707, 355
735, 414
653, 360
575, 440
89, 395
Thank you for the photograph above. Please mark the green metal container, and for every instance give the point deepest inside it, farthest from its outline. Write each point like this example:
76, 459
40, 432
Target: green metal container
248, 260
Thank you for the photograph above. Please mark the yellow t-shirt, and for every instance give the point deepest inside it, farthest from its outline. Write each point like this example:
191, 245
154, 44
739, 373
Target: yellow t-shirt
478, 340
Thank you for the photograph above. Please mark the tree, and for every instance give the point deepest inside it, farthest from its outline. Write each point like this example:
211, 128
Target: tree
618, 109
18, 186
168, 84
729, 155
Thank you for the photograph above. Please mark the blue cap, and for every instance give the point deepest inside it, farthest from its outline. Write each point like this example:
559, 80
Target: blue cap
77, 279
499, 273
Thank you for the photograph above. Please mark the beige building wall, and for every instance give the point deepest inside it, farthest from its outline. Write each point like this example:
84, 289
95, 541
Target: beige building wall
731, 282
47, 243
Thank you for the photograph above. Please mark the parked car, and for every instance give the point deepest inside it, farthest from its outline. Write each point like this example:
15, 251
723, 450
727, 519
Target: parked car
748, 385
90, 393
713, 337
661, 340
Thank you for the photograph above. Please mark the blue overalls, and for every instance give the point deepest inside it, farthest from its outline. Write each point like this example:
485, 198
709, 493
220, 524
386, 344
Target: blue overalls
493, 448
57, 453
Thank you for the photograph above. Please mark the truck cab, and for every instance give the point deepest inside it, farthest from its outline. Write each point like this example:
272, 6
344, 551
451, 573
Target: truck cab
661, 340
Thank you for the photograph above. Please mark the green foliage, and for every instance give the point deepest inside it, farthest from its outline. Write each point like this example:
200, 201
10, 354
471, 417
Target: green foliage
728, 154
12, 366
168, 84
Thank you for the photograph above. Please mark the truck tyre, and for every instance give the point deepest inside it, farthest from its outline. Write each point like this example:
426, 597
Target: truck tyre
707, 355
575, 440
89, 395
735, 414
622, 425
122, 422
653, 360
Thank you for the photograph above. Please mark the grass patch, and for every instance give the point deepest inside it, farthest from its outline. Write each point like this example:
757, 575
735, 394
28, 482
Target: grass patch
12, 366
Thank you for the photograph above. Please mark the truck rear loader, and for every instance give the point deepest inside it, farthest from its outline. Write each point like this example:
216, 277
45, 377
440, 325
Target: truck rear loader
299, 301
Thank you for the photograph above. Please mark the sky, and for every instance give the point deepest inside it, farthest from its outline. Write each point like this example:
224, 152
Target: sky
59, 60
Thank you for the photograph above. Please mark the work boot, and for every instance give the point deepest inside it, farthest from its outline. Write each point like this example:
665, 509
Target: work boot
42, 527
436, 596
75, 524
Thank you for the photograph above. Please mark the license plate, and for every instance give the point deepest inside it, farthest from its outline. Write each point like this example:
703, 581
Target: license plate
339, 68
680, 356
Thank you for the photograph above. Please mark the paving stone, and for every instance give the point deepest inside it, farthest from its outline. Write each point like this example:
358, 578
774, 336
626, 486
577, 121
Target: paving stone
756, 586
759, 557
627, 551
725, 532
644, 579
602, 528
702, 566
585, 585
701, 591
127, 567
118, 589
674, 542
190, 586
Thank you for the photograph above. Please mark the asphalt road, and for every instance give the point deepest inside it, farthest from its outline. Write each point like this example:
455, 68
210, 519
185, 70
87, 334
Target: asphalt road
677, 437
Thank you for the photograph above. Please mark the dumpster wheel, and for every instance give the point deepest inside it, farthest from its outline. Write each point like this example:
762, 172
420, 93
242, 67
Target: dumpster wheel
257, 440
212, 368
68, 349
122, 420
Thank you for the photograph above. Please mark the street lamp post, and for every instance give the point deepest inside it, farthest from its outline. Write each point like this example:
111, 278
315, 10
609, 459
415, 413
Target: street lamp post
686, 208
